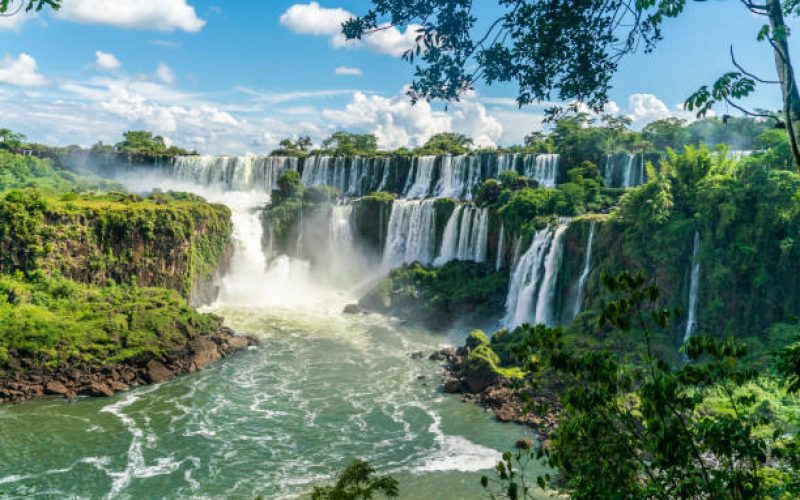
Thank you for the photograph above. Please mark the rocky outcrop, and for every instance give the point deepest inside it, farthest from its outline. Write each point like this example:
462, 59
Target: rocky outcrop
174, 241
103, 381
536, 409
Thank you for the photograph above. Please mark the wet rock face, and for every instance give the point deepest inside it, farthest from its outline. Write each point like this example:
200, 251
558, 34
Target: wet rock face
98, 381
481, 385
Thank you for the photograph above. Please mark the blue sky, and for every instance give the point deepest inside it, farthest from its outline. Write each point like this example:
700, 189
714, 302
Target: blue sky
237, 76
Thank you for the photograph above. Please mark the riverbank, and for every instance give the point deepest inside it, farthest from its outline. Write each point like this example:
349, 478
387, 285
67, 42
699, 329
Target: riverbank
537, 409
25, 381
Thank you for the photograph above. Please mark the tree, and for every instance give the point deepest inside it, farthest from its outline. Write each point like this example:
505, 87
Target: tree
446, 143
11, 7
567, 50
301, 145
616, 125
666, 133
141, 142
10, 140
357, 482
645, 430
348, 143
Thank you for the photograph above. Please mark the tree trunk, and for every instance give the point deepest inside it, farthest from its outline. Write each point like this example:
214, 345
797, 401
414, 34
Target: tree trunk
783, 64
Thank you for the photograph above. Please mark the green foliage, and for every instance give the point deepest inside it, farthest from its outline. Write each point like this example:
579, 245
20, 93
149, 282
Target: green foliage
552, 51
290, 187
18, 171
348, 144
476, 339
371, 216
487, 193
55, 323
438, 296
446, 143
30, 5
356, 482
140, 142
647, 430
169, 240
299, 147
11, 140
775, 151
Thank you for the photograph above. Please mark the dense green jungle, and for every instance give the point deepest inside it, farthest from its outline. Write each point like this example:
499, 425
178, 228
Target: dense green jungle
608, 309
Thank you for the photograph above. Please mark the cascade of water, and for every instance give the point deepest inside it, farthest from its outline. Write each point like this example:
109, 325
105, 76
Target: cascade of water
545, 303
481, 243
542, 168
423, 177
629, 171
694, 283
525, 278
505, 162
534, 277
356, 176
243, 173
385, 162
466, 236
341, 229
608, 171
587, 263
450, 238
241, 284
473, 175
411, 234
501, 243
450, 183
517, 250
622, 170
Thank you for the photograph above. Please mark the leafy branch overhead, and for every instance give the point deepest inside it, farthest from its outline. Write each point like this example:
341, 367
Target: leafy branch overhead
566, 50
10, 7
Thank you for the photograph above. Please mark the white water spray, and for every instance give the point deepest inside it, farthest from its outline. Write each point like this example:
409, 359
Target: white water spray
691, 320
587, 263
532, 289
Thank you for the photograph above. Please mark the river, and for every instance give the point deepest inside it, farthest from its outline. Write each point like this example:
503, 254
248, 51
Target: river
324, 389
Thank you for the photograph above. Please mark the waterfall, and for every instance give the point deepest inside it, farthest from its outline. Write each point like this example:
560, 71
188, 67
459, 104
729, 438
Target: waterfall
233, 173
450, 238
325, 171
531, 294
411, 234
500, 250
622, 170
466, 236
385, 162
587, 263
423, 177
505, 162
691, 320
341, 229
542, 168
481, 242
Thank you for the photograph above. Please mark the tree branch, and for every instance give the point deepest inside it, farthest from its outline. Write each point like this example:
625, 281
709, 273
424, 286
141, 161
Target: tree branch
751, 75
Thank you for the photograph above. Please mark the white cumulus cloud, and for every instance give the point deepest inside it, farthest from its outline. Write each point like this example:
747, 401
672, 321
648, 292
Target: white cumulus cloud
160, 15
347, 71
165, 74
646, 108
22, 71
395, 122
313, 19
106, 61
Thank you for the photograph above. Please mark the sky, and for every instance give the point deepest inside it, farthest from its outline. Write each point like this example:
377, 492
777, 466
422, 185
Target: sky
236, 76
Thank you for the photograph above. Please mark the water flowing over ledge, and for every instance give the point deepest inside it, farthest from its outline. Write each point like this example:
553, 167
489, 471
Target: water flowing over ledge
443, 176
